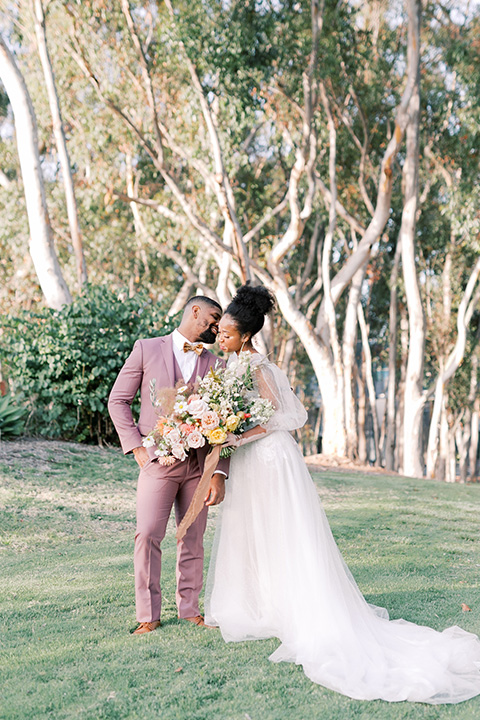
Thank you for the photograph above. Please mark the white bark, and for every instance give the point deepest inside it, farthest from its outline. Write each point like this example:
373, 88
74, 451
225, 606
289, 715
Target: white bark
330, 314
462, 438
369, 381
362, 414
442, 465
321, 360
401, 388
465, 311
5, 182
474, 440
348, 351
433, 434
42, 251
392, 366
414, 397
60, 141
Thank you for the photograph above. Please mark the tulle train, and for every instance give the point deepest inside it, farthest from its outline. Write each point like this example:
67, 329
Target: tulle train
276, 571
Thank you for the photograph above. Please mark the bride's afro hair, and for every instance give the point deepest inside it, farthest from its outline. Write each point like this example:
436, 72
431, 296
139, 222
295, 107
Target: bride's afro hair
249, 307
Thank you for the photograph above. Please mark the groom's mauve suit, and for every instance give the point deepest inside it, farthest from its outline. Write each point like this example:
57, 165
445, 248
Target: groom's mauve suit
160, 487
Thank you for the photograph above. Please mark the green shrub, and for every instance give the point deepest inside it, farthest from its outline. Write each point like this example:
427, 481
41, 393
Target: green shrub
12, 417
65, 362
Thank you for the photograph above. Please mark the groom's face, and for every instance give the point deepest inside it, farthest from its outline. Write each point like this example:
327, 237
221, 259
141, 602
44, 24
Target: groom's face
207, 319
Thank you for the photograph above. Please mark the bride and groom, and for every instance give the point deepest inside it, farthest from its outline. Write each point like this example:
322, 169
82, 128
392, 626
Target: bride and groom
276, 570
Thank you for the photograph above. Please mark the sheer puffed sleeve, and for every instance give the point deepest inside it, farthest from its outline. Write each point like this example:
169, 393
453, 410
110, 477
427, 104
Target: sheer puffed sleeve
273, 384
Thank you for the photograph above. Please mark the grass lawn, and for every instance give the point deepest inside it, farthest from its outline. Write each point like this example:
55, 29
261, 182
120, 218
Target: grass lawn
67, 595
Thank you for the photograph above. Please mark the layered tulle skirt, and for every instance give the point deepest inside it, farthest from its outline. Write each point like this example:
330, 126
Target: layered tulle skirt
276, 571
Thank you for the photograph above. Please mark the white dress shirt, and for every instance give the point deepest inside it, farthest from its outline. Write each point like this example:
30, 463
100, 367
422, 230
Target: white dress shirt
186, 360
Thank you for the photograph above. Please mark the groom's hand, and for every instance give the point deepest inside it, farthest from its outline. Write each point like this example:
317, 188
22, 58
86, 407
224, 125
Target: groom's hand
141, 455
216, 491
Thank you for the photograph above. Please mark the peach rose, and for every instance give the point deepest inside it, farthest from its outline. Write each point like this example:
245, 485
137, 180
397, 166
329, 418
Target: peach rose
210, 420
160, 424
195, 439
187, 428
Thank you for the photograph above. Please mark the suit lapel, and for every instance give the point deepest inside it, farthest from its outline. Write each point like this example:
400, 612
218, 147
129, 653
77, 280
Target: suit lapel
168, 358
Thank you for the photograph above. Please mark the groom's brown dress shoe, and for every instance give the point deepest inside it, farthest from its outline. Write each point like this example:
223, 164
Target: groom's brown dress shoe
146, 627
199, 621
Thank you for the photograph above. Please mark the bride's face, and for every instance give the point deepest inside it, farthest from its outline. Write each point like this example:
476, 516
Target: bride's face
229, 338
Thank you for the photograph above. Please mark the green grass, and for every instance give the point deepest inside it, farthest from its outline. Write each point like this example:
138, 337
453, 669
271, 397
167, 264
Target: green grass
67, 596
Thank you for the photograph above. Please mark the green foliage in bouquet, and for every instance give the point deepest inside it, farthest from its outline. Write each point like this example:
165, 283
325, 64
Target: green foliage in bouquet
12, 417
66, 361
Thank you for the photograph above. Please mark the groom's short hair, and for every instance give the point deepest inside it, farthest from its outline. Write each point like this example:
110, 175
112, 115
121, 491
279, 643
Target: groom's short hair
202, 299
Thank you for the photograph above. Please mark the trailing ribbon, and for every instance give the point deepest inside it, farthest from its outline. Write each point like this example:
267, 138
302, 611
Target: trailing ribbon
198, 499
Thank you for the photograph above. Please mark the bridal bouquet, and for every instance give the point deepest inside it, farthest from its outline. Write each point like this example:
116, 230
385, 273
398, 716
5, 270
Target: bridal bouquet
176, 430
224, 401
233, 402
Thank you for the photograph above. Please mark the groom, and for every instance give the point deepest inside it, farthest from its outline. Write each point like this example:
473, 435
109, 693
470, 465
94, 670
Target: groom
168, 359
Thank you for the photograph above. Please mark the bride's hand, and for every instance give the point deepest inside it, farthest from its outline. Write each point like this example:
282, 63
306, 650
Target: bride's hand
232, 440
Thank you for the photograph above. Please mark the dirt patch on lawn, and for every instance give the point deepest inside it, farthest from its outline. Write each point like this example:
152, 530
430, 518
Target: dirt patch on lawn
33, 452
333, 462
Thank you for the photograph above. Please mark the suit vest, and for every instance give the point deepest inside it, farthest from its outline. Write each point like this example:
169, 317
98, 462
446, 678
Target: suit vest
178, 373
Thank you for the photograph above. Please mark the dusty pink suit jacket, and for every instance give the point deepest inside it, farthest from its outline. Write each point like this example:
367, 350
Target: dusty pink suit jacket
150, 359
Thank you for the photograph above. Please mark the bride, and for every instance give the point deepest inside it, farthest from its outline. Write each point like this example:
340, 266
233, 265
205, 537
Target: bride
276, 570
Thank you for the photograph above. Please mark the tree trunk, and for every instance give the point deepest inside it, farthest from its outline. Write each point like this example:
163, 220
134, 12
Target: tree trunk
462, 438
451, 457
441, 466
392, 366
401, 387
433, 435
414, 397
348, 351
362, 414
369, 383
330, 315
465, 311
43, 254
60, 141
474, 440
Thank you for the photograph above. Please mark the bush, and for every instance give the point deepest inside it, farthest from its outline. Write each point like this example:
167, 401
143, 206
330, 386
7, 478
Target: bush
12, 417
65, 362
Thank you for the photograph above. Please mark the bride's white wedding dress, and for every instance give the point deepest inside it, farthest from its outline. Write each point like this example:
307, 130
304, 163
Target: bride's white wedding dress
276, 571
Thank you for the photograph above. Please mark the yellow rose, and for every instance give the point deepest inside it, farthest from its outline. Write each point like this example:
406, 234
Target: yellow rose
232, 423
217, 436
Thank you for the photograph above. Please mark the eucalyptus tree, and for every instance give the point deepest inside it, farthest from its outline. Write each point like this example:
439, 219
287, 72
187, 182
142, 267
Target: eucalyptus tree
447, 256
42, 249
215, 142
39, 22
239, 97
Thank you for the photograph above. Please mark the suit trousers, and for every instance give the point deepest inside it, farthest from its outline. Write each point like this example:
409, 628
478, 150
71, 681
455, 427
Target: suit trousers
159, 488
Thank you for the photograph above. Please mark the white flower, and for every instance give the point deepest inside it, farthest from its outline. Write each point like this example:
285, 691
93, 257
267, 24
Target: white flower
197, 408
148, 441
180, 406
178, 451
210, 420
261, 410
195, 439
173, 436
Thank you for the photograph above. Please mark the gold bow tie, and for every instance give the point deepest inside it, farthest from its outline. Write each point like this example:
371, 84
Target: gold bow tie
196, 348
